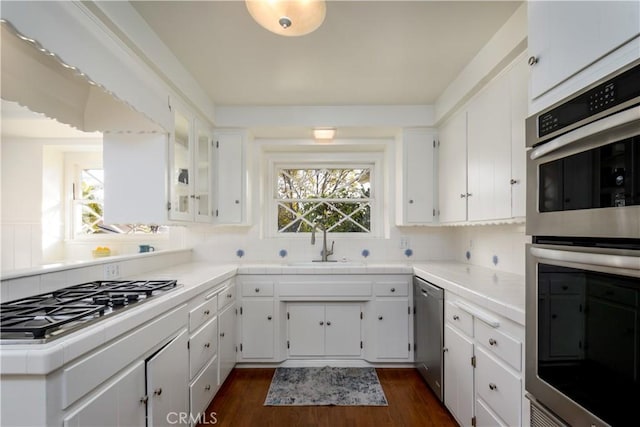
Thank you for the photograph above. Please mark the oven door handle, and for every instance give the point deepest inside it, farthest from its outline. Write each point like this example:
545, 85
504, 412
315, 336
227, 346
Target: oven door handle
605, 260
621, 118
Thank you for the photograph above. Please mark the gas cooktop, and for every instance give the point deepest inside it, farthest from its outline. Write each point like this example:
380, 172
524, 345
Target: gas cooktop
42, 318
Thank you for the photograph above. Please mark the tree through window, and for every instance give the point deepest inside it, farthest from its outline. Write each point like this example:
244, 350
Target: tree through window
338, 197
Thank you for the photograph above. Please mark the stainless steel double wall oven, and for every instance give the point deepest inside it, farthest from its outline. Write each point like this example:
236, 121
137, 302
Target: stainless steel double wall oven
583, 266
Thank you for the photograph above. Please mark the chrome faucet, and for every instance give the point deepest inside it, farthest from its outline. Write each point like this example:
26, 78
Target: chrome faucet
325, 251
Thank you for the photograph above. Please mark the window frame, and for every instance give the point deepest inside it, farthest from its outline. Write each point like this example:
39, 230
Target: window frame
374, 161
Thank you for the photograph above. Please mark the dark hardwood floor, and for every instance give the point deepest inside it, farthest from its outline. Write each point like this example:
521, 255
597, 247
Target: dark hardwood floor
240, 401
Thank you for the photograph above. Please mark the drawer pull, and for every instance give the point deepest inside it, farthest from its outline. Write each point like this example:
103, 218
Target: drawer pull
208, 387
456, 317
379, 317
492, 386
206, 312
222, 334
328, 323
158, 391
393, 289
492, 341
207, 345
321, 323
257, 290
229, 295
269, 317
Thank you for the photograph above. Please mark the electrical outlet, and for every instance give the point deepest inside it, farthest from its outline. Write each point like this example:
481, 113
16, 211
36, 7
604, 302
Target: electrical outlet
111, 271
404, 242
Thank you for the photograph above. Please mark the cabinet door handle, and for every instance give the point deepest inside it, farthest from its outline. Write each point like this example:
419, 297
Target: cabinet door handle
229, 295
462, 196
456, 317
321, 323
144, 400
237, 202
533, 60
328, 323
444, 350
207, 345
469, 194
379, 317
514, 181
206, 312
257, 290
393, 289
269, 317
222, 334
193, 196
411, 201
492, 341
208, 387
492, 386
158, 391
197, 197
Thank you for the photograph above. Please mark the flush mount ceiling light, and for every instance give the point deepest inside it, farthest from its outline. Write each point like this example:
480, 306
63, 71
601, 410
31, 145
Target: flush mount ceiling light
288, 17
324, 134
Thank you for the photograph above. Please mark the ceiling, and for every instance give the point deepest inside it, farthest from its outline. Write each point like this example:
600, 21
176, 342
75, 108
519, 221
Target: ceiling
365, 52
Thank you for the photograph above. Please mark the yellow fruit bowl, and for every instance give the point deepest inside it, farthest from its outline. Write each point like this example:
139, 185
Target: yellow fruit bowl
101, 252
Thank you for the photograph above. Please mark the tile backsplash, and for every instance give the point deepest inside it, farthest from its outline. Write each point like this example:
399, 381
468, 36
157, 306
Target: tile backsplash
35, 283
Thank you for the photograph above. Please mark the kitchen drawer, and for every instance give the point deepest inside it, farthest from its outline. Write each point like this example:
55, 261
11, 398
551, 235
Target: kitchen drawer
459, 318
203, 388
392, 289
568, 285
498, 387
203, 312
486, 418
500, 344
617, 294
257, 289
203, 345
226, 296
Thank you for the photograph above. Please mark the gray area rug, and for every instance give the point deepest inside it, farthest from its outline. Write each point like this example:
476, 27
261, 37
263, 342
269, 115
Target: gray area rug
325, 386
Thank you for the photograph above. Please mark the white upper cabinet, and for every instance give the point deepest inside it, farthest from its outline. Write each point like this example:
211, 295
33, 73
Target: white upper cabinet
159, 179
417, 190
489, 153
482, 152
180, 170
565, 37
452, 169
189, 170
229, 177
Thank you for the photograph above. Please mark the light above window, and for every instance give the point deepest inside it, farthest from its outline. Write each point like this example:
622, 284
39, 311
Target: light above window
324, 134
288, 17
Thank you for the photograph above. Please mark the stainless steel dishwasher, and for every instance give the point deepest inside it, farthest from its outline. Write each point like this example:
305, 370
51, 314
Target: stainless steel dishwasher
429, 333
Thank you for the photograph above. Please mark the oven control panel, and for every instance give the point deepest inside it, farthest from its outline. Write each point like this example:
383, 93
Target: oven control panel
604, 96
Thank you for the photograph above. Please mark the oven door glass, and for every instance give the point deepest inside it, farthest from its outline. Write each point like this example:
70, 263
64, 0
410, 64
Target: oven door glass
603, 177
589, 340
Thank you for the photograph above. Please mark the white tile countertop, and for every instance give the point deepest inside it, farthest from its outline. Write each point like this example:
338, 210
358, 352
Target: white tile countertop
500, 292
36, 359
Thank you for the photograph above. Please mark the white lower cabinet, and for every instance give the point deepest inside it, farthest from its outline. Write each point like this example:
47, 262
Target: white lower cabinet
227, 342
392, 318
167, 382
483, 360
120, 404
324, 329
258, 329
458, 375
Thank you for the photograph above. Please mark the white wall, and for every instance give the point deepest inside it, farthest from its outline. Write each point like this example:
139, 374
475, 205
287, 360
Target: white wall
21, 203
